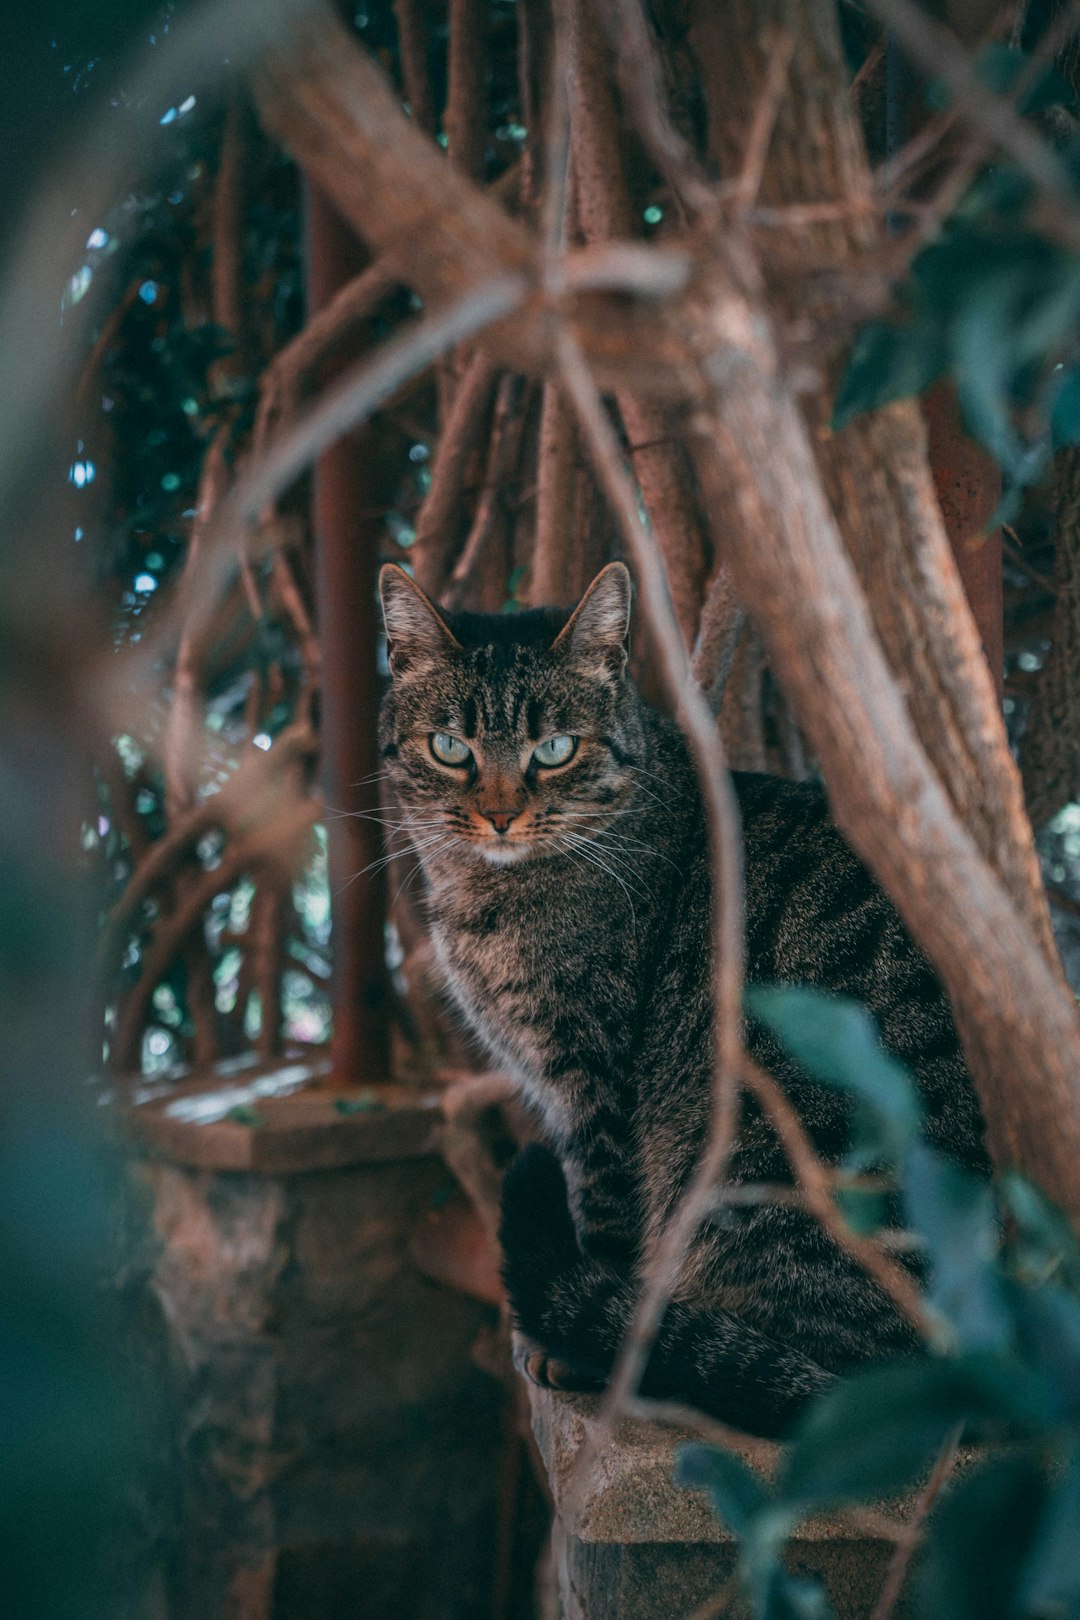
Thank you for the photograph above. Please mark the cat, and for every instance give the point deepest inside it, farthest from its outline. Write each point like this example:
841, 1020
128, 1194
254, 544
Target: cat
560, 829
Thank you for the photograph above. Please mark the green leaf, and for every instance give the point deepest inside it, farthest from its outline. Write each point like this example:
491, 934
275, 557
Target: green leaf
980, 1538
836, 1042
736, 1493
875, 1434
793, 1597
955, 1213
1043, 1244
1047, 1326
1065, 411
888, 362
1052, 1582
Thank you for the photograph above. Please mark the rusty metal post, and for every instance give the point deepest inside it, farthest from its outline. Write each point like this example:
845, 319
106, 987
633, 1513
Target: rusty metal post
347, 491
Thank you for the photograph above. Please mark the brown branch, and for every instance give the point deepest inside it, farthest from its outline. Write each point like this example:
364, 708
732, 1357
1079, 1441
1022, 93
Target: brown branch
722, 620
816, 1184
506, 429
662, 1267
460, 436
746, 187
876, 473
556, 491
912, 1531
466, 103
939, 54
642, 80
277, 842
1013, 1009
412, 50
242, 801
605, 213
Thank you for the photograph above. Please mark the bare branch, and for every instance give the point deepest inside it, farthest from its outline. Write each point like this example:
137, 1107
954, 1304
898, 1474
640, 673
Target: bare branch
912, 1530
412, 49
662, 1267
748, 183
940, 55
458, 441
344, 405
814, 1181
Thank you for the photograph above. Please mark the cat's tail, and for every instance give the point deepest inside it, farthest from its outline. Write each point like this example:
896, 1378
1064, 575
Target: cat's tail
578, 1310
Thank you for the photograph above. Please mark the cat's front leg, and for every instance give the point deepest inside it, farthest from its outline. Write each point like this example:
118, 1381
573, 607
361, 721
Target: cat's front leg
604, 1187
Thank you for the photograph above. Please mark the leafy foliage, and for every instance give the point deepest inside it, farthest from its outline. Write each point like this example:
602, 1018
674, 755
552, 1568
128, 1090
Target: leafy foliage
1003, 1285
992, 304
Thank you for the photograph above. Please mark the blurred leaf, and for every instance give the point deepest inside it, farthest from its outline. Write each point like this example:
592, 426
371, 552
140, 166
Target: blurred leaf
793, 1597
836, 1042
1052, 1582
1043, 1243
1047, 1327
980, 1538
878, 1432
734, 1490
889, 362
1065, 412
955, 1213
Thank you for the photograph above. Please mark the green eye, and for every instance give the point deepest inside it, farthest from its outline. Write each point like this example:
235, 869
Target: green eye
449, 750
556, 750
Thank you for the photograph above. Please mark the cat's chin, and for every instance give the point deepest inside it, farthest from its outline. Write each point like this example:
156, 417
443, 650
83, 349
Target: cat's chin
504, 854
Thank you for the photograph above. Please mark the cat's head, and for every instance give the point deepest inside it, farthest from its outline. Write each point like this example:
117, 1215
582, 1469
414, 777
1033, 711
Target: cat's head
509, 736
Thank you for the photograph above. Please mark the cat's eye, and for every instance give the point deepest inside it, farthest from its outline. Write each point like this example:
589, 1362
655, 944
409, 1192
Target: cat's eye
449, 750
555, 750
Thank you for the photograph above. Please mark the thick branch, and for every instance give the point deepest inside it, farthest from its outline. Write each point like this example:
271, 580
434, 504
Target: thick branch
1015, 1013
876, 472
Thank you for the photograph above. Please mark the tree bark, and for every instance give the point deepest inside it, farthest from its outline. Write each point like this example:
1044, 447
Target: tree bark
1016, 1016
875, 472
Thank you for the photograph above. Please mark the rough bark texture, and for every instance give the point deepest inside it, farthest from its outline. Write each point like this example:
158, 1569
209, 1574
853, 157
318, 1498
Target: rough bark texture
1050, 746
1015, 1013
605, 214
875, 472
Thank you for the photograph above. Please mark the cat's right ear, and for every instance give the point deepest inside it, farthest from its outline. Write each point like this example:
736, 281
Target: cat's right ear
596, 631
416, 632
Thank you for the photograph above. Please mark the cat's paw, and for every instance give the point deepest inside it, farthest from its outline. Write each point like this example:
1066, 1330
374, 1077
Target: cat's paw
550, 1372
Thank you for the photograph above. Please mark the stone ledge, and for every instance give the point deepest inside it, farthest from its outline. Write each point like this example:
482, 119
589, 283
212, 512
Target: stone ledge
636, 1546
280, 1119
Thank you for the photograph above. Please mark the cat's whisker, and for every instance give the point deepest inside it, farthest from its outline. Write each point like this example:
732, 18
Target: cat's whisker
385, 860
586, 848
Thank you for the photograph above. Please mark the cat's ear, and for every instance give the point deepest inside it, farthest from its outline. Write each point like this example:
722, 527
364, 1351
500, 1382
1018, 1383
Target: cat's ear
596, 630
416, 632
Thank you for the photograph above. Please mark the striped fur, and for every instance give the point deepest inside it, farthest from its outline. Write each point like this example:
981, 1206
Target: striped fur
577, 946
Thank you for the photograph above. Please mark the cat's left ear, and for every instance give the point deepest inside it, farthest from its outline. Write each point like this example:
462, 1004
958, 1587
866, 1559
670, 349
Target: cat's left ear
416, 632
596, 631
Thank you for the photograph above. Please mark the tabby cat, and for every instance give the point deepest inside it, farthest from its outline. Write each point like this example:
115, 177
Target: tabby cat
562, 839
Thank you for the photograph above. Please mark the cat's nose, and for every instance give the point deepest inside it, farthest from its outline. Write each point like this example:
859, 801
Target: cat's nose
500, 819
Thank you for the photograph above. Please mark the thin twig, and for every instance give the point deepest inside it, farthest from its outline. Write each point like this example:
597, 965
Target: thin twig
505, 438
747, 185
412, 52
815, 1183
940, 55
344, 405
906, 1545
663, 1265
458, 440
642, 80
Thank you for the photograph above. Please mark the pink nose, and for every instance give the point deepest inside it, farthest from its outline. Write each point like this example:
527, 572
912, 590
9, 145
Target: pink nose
500, 819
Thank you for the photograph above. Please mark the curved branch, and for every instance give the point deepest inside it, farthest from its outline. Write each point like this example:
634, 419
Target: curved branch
273, 843
662, 1267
